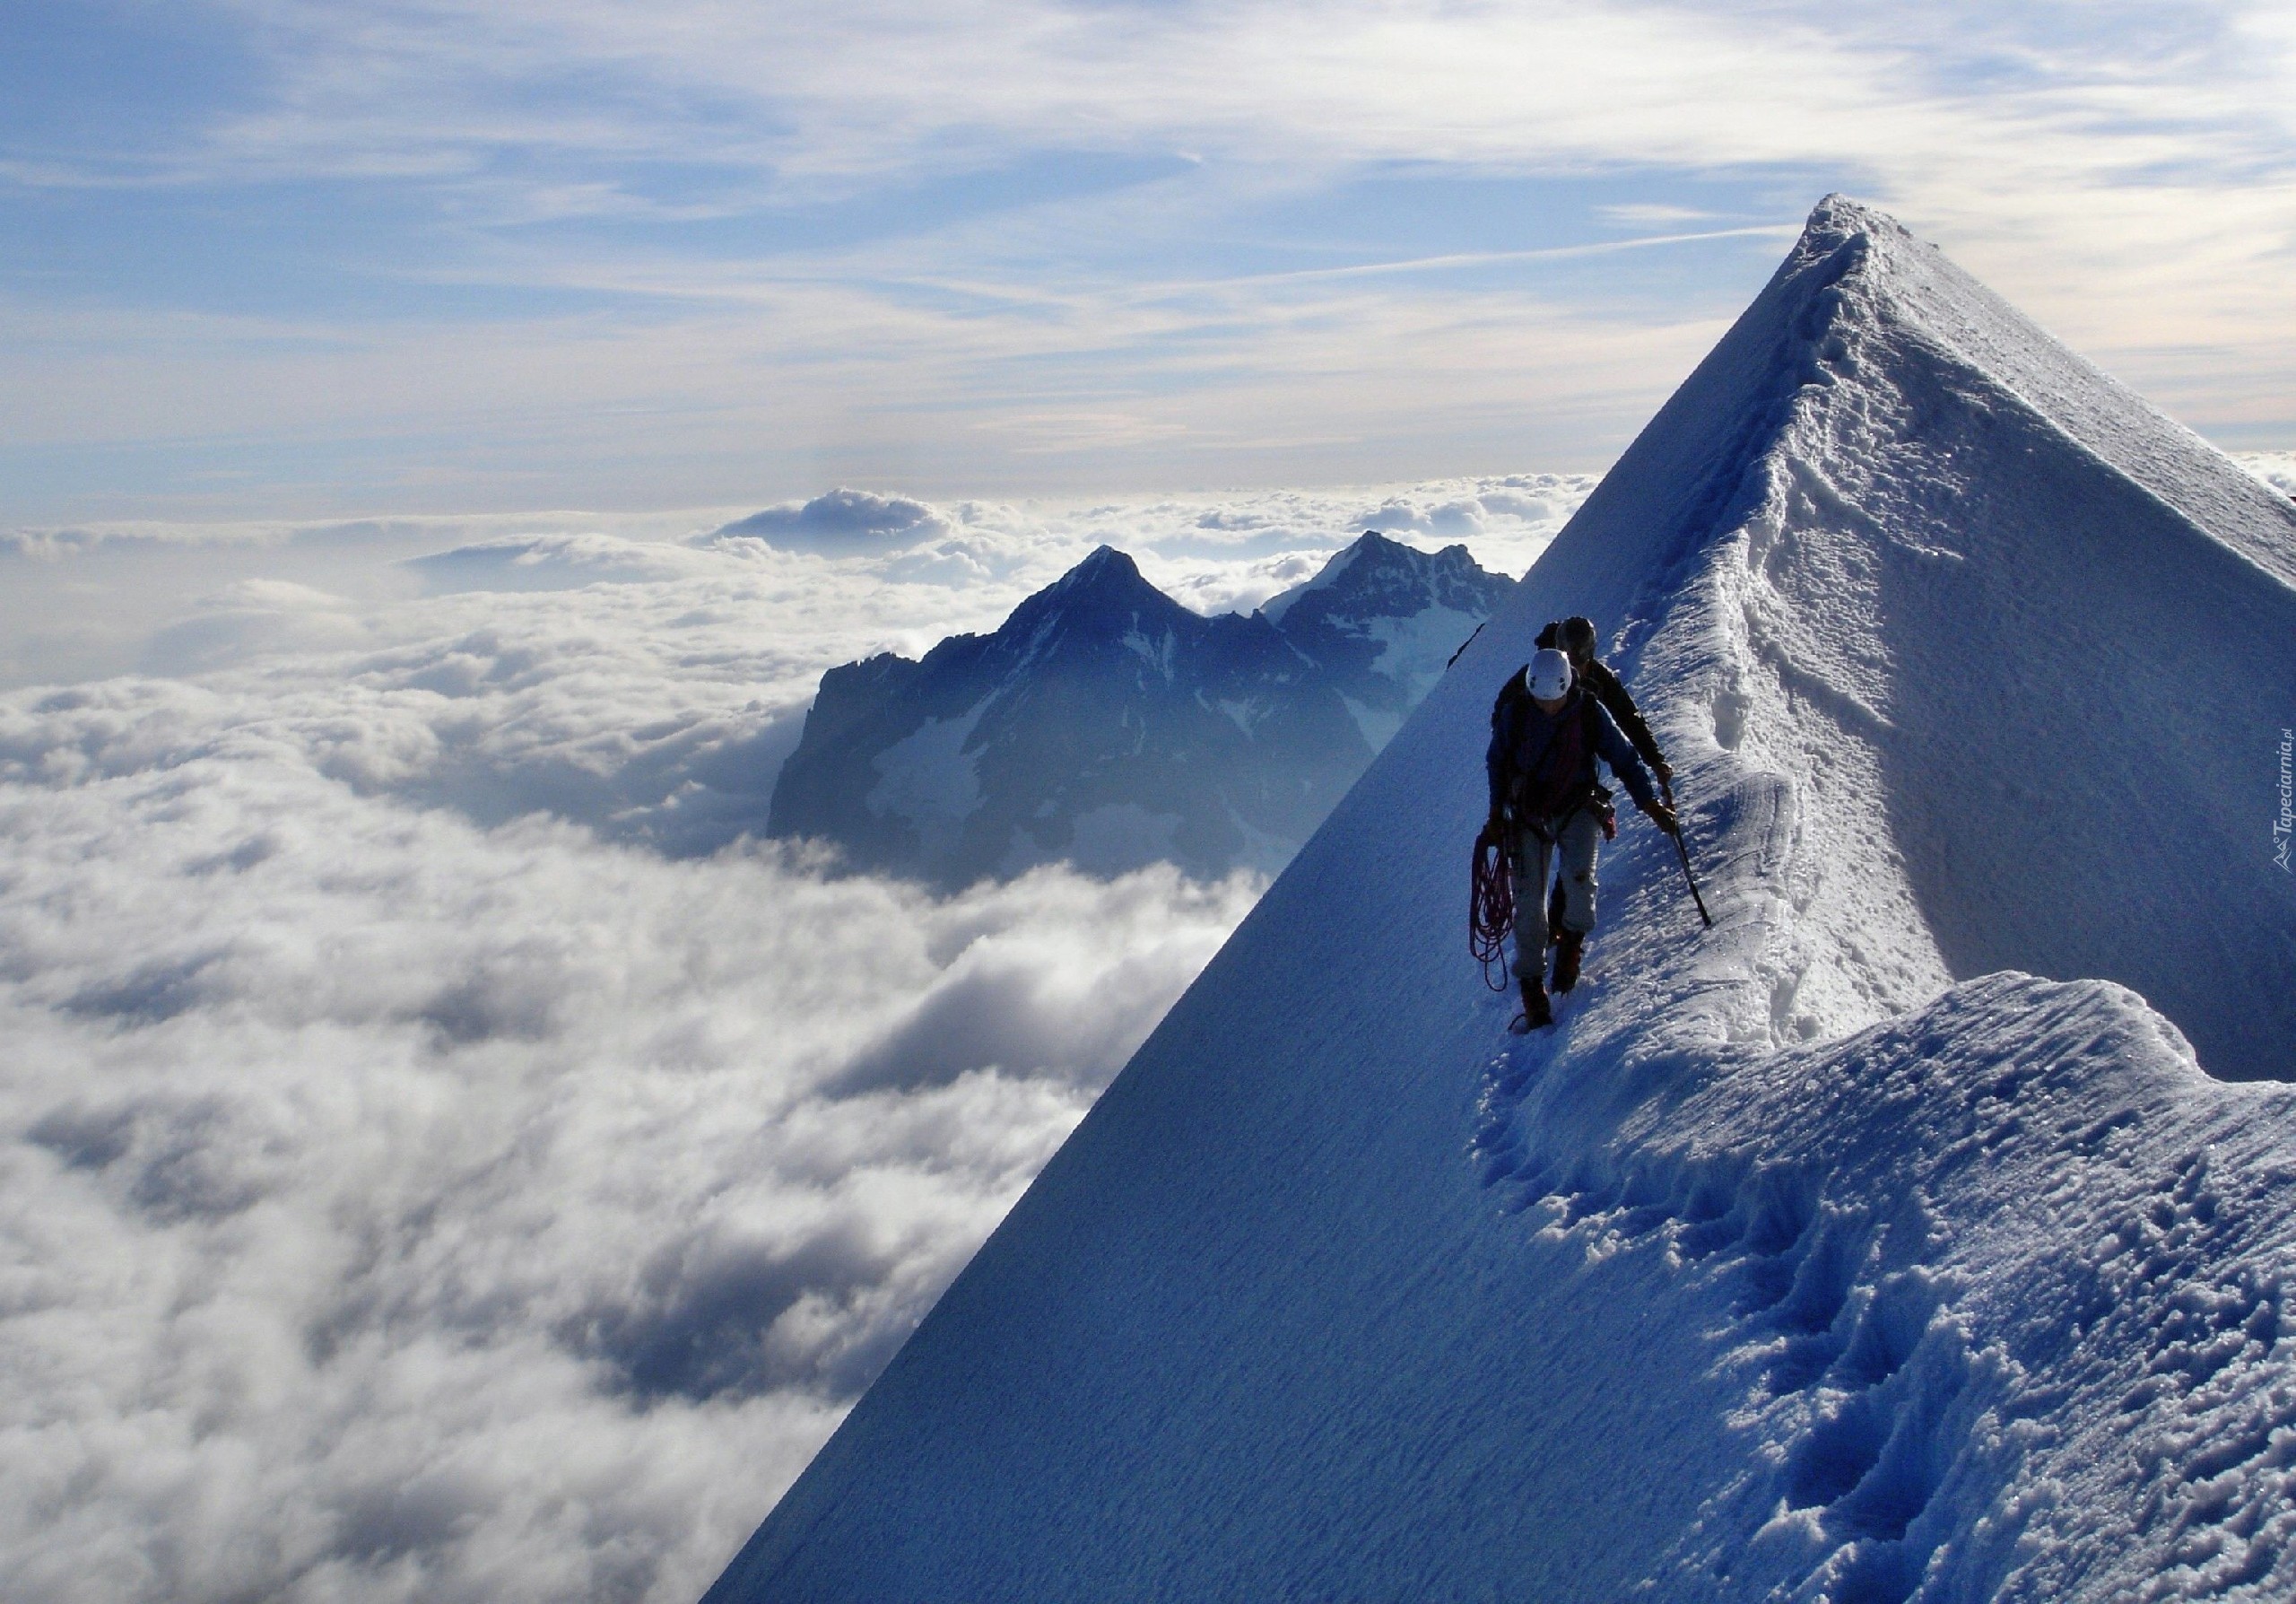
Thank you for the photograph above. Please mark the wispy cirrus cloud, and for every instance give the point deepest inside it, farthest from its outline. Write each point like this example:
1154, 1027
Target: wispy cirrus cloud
750, 250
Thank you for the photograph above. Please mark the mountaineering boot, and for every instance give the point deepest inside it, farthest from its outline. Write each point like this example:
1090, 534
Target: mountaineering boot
1536, 1014
1554, 919
1568, 948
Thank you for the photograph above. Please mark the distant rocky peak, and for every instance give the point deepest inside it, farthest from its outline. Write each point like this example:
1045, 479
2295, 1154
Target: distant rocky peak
1379, 576
1335, 567
1105, 591
1105, 573
1104, 568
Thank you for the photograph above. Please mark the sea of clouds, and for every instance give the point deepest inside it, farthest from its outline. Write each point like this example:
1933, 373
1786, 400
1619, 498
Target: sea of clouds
444, 1154
2275, 468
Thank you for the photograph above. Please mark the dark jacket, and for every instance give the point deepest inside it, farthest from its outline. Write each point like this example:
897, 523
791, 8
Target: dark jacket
1611, 692
1521, 734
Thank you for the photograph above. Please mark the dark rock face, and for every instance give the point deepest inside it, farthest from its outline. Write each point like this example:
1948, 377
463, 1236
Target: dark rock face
1107, 725
1381, 620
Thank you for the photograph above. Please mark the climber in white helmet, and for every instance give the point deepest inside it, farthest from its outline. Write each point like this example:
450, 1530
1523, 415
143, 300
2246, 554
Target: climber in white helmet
1548, 808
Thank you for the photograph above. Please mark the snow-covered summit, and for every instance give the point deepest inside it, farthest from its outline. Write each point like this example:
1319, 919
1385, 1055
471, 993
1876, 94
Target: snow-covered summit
2018, 643
1831, 1253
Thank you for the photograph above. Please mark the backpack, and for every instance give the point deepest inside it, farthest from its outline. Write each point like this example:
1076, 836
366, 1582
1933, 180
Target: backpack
1512, 694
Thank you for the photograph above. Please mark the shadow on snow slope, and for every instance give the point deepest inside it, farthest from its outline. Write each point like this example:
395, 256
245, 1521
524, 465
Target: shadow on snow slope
1796, 1263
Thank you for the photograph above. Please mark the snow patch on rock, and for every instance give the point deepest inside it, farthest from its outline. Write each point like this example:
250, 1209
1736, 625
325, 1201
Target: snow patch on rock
929, 779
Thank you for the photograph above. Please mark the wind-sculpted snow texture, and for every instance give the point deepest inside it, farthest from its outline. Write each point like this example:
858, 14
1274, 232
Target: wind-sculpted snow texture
1827, 1254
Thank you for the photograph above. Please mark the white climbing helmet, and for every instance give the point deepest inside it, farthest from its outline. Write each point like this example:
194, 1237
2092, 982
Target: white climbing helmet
1550, 676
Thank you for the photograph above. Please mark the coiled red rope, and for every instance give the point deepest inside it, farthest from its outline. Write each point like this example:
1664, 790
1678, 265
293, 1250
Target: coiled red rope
1491, 906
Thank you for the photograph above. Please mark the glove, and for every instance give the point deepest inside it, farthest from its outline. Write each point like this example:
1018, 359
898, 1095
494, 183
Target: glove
1665, 776
1664, 817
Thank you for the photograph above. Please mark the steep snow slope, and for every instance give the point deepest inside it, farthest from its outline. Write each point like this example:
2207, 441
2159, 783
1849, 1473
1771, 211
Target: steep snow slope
1824, 1254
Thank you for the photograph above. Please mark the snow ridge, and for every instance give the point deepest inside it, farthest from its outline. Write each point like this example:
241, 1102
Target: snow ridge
1963, 1251
1833, 1253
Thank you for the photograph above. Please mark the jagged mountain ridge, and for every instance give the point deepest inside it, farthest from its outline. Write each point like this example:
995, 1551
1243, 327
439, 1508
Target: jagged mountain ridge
1822, 1255
1381, 622
1107, 725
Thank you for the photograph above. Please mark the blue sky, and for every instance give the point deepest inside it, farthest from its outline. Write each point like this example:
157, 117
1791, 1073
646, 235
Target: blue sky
280, 258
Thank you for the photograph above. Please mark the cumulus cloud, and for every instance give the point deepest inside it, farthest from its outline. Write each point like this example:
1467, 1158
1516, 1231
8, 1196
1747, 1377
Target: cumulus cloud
840, 523
82, 602
554, 563
466, 608
2275, 468
441, 1154
646, 687
250, 617
398, 1208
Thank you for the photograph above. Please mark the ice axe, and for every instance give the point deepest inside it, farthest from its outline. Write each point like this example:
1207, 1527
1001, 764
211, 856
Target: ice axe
1681, 850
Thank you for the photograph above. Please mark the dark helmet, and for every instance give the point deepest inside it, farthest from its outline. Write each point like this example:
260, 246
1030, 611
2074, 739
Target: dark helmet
1577, 637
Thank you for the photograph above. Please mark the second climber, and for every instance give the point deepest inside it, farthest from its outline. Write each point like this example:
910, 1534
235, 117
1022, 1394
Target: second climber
1553, 814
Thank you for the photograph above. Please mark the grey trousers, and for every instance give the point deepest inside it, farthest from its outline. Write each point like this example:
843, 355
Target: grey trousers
1533, 863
